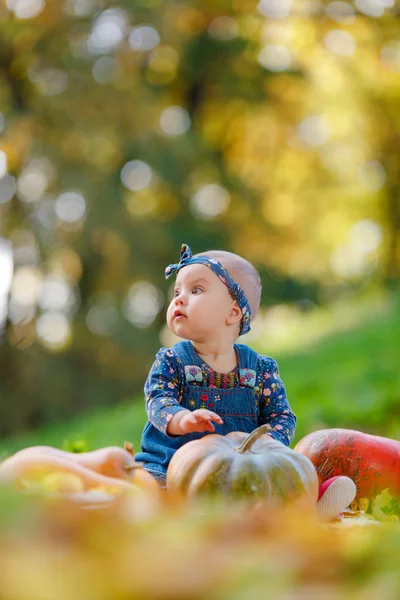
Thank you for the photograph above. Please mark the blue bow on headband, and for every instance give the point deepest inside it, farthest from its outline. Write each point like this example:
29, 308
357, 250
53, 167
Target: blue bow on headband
187, 258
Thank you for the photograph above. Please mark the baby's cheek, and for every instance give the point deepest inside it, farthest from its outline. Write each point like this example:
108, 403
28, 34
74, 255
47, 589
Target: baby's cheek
169, 315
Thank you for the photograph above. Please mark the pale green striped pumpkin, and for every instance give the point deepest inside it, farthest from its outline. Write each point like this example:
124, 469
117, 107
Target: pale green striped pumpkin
241, 465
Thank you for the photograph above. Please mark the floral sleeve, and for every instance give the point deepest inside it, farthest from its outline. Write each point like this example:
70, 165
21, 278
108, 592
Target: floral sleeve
274, 407
163, 389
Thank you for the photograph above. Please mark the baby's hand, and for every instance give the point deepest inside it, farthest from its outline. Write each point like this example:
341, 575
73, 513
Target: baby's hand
187, 421
199, 420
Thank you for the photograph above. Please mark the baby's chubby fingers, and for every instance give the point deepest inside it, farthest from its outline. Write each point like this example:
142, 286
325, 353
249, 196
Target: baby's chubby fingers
198, 420
186, 421
202, 414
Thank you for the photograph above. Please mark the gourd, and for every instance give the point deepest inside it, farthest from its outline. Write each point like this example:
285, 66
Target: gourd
371, 461
37, 466
112, 461
242, 466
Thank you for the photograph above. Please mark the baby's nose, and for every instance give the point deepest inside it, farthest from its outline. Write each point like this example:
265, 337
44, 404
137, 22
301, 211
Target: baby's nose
179, 299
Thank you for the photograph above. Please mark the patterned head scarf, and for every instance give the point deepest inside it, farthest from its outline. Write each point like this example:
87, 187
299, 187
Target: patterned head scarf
236, 291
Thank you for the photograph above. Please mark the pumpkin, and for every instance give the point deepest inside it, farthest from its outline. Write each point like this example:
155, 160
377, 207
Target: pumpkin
35, 466
111, 461
239, 465
372, 462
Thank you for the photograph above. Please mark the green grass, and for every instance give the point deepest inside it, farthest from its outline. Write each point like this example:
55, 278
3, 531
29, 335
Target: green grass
107, 427
350, 379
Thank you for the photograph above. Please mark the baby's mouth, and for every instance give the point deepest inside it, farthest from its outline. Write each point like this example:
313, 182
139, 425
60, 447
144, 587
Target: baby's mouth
178, 315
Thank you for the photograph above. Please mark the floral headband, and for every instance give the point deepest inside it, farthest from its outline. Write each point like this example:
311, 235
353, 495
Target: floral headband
236, 291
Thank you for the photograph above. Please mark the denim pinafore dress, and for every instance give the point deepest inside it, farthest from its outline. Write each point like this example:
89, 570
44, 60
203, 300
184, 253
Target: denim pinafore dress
238, 406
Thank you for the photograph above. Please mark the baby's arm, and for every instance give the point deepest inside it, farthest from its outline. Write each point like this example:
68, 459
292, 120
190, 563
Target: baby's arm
162, 391
274, 407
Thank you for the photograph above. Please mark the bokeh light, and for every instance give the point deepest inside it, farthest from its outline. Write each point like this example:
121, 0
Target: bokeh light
45, 213
372, 175
54, 330
274, 57
357, 256
6, 266
109, 30
366, 236
7, 188
338, 157
210, 201
314, 130
103, 316
371, 8
341, 12
340, 42
144, 38
25, 248
163, 63
50, 82
142, 204
80, 8
223, 28
175, 120
390, 56
26, 9
19, 314
136, 175
3, 313
26, 285
34, 179
142, 304
3, 163
66, 263
102, 320
274, 9
57, 295
70, 208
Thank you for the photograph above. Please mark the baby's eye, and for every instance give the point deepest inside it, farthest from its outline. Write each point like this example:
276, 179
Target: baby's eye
196, 290
176, 293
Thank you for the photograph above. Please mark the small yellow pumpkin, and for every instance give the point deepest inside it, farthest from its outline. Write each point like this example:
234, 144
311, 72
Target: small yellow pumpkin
242, 466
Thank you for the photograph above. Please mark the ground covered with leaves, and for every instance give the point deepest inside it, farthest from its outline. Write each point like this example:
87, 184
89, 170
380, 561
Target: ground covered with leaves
52, 548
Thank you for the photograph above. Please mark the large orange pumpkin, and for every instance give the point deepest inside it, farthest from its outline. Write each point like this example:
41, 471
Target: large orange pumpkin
239, 465
372, 462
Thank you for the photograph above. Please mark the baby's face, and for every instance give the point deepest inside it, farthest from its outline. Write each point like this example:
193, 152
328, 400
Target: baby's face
200, 306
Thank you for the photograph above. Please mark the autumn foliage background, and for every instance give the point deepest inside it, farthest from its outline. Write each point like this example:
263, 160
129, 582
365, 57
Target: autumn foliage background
267, 128
270, 129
